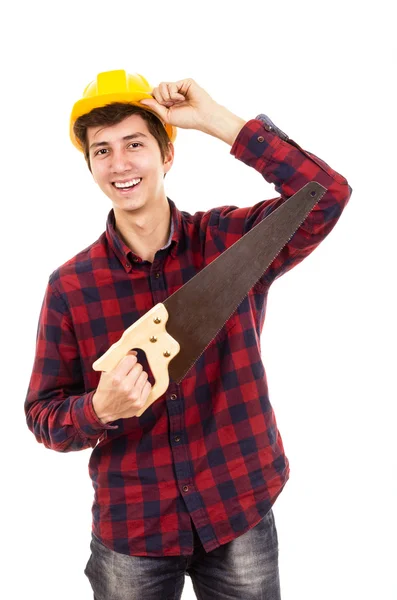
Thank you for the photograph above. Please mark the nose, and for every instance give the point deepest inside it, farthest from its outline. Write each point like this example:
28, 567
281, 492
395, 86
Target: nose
121, 161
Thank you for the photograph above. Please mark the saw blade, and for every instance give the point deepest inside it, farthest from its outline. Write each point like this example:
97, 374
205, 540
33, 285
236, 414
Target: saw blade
200, 308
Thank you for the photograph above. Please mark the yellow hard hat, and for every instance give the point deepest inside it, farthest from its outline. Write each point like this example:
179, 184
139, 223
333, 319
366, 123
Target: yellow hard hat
114, 86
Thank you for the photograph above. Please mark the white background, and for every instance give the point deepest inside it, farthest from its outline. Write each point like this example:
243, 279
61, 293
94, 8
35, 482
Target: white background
325, 74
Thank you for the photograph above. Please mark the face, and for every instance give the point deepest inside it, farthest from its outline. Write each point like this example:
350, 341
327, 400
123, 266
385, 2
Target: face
123, 153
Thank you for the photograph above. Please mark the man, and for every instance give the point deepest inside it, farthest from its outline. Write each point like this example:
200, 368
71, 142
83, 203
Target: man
187, 487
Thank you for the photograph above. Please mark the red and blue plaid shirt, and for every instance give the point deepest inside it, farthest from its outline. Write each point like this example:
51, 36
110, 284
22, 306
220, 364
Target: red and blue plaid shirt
208, 452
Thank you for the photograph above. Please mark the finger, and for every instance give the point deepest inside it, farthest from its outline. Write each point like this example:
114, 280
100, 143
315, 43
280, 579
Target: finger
175, 94
169, 94
165, 92
161, 95
123, 367
157, 95
183, 86
165, 95
142, 400
158, 109
141, 381
147, 388
132, 376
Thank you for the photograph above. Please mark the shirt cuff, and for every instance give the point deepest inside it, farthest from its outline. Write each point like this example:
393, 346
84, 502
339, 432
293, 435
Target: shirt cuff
270, 126
254, 141
86, 419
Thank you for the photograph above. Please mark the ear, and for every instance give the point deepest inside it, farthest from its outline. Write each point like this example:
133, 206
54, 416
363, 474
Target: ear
170, 158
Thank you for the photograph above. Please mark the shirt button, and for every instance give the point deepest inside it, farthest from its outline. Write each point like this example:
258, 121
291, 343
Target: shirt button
268, 127
127, 264
185, 488
173, 396
261, 139
177, 438
157, 275
136, 259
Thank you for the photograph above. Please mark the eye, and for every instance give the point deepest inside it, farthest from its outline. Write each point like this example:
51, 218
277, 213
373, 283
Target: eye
136, 144
100, 150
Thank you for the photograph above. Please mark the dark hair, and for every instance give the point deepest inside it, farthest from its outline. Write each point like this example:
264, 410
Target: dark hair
114, 113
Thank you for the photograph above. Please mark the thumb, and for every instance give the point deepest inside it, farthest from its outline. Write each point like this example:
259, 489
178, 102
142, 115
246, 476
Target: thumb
157, 108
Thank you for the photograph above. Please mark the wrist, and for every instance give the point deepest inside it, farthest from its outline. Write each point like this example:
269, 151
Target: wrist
97, 406
223, 124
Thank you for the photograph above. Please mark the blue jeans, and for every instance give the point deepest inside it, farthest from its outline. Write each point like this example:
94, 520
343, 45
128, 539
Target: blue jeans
244, 569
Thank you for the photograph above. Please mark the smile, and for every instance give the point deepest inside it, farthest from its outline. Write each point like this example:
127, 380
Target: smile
127, 186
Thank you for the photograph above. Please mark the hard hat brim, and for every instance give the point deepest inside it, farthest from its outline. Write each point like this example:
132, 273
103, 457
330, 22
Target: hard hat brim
86, 105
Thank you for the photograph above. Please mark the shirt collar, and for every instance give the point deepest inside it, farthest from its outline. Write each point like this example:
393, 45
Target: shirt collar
126, 256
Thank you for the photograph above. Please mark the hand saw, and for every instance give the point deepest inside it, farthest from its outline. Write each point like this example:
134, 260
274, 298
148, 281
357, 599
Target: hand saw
175, 333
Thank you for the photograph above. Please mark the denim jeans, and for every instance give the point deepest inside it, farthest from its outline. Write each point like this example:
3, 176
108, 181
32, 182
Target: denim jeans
244, 569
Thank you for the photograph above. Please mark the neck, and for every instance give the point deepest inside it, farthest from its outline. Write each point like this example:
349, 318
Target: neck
144, 232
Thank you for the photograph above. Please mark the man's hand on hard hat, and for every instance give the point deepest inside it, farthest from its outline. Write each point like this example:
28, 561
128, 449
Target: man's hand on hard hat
187, 105
182, 103
122, 392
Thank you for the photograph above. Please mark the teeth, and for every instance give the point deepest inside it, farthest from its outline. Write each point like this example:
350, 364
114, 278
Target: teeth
127, 183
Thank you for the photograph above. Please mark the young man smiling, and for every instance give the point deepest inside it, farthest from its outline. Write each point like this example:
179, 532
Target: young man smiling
192, 481
124, 154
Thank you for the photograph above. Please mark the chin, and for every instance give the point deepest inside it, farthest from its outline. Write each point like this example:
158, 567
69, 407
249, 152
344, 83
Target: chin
128, 204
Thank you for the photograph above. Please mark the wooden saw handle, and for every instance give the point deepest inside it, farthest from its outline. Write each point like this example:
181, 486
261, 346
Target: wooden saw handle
149, 334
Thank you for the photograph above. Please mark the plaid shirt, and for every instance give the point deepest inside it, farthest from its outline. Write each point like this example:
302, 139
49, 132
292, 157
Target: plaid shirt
208, 452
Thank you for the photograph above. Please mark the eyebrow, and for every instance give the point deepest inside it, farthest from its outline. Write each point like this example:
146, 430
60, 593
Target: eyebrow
133, 136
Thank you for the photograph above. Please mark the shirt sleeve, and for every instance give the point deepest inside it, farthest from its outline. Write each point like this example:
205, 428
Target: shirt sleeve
289, 167
58, 410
